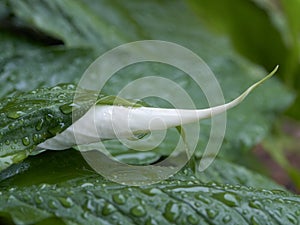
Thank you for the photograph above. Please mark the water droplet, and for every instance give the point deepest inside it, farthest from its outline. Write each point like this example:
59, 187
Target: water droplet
38, 199
227, 198
254, 221
192, 219
119, 199
61, 96
90, 205
267, 201
26, 141
26, 196
226, 219
11, 126
70, 86
53, 204
151, 191
36, 138
292, 219
280, 200
85, 215
87, 185
245, 212
108, 209
56, 88
211, 213
203, 199
138, 211
171, 212
66, 109
151, 221
44, 186
255, 204
57, 129
39, 125
66, 202
14, 114
49, 117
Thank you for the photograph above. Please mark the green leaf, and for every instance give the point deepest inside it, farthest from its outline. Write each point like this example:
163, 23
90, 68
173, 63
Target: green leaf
247, 33
18, 72
29, 119
60, 188
72, 189
225, 172
87, 24
93, 200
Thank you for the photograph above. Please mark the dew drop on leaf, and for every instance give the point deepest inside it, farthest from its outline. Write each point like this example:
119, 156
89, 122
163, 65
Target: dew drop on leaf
36, 138
26, 196
203, 199
255, 204
52, 204
138, 211
192, 219
61, 96
39, 125
211, 213
151, 221
151, 191
171, 211
254, 221
227, 198
66, 109
70, 86
119, 199
11, 126
292, 219
87, 185
14, 114
66, 202
56, 88
108, 209
49, 117
38, 199
57, 129
226, 219
26, 141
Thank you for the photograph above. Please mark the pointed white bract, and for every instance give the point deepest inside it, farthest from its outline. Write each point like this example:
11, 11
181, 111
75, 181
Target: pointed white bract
110, 121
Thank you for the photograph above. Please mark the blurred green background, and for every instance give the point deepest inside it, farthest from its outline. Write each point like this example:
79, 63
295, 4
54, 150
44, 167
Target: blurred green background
267, 33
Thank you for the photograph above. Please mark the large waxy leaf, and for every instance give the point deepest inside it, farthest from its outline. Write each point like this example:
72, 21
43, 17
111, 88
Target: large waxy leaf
51, 66
43, 113
180, 200
87, 24
30, 118
255, 17
60, 188
28, 196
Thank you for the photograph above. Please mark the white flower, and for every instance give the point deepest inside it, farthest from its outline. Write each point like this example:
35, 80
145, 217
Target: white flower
110, 121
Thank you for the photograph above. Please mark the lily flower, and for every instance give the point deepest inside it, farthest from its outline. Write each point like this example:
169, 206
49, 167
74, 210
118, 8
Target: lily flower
103, 122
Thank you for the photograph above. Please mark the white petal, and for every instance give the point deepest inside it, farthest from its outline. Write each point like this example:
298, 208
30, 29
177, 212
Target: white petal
109, 122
